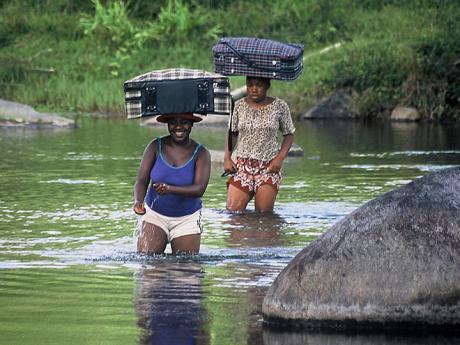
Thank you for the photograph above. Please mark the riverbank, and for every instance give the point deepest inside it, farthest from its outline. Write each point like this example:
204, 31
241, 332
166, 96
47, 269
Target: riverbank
74, 56
16, 115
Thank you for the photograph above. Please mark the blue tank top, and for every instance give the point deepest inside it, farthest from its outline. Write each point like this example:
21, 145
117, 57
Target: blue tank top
172, 205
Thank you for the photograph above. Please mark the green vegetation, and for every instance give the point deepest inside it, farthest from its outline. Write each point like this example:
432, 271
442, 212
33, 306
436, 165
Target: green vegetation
75, 55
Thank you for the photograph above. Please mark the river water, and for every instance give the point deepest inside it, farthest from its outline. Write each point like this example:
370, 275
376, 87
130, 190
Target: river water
69, 270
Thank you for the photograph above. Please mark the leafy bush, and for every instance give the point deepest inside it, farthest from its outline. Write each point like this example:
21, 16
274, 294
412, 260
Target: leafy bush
392, 51
375, 71
109, 24
176, 23
436, 88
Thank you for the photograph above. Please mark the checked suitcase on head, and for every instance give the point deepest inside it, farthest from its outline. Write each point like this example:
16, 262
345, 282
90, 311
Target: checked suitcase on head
258, 57
177, 90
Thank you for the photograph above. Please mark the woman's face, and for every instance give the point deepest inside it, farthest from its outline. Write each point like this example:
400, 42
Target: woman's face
179, 128
257, 89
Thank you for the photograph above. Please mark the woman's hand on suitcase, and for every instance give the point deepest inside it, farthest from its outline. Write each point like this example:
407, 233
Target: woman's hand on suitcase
161, 188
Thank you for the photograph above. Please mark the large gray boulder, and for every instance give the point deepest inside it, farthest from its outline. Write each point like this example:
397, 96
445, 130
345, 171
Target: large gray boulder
14, 114
405, 114
336, 106
394, 262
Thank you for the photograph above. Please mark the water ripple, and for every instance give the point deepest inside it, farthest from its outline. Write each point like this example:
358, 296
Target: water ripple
421, 167
409, 153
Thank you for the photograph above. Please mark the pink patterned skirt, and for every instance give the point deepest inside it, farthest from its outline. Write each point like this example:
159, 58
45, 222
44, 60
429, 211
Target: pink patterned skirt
251, 174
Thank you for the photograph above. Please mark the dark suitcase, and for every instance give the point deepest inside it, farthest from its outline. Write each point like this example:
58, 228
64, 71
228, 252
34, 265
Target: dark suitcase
177, 90
258, 57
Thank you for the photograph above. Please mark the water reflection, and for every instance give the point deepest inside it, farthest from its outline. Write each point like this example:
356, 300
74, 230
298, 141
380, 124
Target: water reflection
168, 302
254, 229
298, 338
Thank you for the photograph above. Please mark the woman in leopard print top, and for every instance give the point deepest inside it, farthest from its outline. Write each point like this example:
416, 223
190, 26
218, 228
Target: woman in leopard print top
256, 167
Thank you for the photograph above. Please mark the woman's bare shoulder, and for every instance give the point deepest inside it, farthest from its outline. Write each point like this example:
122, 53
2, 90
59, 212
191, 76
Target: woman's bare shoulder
152, 146
203, 155
203, 150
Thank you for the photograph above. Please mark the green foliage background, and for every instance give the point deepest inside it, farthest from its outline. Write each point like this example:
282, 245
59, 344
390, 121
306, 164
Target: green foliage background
74, 55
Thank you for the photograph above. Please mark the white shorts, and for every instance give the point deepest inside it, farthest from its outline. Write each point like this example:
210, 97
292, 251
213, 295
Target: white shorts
174, 226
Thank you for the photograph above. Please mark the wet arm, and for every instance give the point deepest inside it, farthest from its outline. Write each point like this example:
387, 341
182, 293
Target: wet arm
277, 162
286, 146
143, 175
229, 165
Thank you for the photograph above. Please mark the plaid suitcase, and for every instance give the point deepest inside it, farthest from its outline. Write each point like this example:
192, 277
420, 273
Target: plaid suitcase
177, 90
258, 57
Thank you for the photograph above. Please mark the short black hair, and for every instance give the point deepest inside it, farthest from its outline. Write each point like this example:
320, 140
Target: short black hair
266, 81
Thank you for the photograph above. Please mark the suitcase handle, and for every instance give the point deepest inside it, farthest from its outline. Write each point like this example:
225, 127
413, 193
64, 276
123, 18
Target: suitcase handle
252, 63
241, 56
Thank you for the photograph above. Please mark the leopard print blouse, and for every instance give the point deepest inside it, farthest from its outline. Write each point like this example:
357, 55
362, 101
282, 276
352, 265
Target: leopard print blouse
258, 128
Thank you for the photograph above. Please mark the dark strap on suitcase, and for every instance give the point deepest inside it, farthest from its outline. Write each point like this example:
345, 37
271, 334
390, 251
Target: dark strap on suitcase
252, 64
229, 135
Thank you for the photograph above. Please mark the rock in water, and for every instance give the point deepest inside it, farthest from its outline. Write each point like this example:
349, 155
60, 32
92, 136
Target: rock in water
393, 262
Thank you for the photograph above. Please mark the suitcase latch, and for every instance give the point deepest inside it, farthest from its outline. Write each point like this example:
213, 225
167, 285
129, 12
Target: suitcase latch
203, 95
151, 98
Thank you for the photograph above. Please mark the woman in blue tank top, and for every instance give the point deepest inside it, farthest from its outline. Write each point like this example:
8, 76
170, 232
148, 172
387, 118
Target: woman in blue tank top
173, 176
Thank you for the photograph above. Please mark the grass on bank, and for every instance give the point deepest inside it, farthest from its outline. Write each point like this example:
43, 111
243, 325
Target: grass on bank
73, 56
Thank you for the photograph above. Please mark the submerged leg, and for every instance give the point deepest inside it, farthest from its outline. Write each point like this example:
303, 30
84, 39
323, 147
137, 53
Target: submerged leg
152, 239
187, 244
237, 200
265, 198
